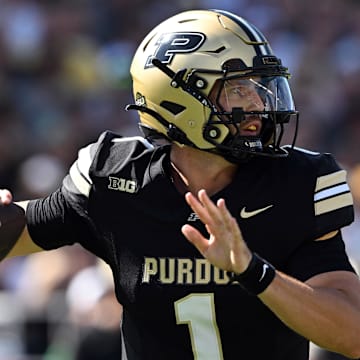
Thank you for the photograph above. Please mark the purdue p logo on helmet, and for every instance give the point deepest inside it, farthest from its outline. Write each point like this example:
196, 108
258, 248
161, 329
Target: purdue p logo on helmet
180, 65
170, 44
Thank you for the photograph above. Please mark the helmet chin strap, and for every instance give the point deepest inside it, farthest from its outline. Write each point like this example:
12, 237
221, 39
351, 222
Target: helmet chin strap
242, 148
238, 148
246, 144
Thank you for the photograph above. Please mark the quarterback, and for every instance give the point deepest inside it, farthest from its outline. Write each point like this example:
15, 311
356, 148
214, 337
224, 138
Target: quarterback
223, 242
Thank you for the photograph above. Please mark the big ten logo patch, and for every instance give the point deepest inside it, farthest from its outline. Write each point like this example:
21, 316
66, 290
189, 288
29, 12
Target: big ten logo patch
120, 184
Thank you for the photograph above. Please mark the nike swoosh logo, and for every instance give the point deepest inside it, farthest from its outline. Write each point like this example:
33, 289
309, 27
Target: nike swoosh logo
265, 267
248, 214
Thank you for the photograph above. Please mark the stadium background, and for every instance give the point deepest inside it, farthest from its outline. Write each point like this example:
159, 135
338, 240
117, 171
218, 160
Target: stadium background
64, 78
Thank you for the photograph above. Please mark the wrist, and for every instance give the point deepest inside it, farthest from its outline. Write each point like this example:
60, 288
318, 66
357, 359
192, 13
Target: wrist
256, 278
246, 260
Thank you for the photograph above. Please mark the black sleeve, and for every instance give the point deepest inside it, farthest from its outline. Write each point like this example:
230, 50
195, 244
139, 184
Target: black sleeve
315, 257
62, 218
52, 222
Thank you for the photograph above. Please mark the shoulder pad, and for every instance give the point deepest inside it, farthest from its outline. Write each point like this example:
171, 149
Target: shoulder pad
332, 191
333, 202
106, 152
114, 151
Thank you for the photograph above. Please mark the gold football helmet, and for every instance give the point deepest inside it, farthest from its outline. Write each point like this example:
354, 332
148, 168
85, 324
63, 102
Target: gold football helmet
209, 79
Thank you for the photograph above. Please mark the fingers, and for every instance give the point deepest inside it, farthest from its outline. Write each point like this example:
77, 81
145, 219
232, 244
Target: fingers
208, 212
225, 247
226, 217
195, 204
204, 206
195, 237
217, 219
5, 197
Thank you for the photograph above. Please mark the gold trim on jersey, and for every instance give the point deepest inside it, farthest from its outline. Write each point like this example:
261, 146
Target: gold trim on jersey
329, 180
332, 193
78, 180
79, 171
337, 202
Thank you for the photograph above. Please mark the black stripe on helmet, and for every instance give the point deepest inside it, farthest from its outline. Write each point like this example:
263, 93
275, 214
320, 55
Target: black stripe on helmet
252, 32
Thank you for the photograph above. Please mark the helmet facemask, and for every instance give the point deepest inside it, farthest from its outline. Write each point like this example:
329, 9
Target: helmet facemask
255, 106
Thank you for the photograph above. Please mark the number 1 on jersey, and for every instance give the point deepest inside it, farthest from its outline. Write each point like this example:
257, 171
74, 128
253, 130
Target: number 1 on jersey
198, 312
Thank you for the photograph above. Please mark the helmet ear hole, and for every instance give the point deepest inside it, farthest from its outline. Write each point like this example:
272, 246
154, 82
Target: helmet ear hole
197, 82
212, 132
172, 107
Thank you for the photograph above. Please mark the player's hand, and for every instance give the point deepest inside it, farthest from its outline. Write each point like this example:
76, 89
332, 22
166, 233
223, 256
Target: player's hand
5, 197
225, 248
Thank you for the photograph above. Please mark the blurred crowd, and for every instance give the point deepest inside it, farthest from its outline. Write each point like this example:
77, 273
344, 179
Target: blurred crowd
64, 78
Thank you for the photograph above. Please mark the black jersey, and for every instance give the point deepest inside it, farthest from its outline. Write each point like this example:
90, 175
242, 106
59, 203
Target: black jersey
119, 202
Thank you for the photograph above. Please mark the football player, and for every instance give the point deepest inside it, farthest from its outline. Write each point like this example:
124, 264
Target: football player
223, 243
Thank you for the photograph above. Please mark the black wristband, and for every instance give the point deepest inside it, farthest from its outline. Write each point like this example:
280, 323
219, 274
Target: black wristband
256, 278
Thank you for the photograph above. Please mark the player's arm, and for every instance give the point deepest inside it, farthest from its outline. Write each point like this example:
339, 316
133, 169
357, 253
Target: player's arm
56, 220
324, 309
325, 306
